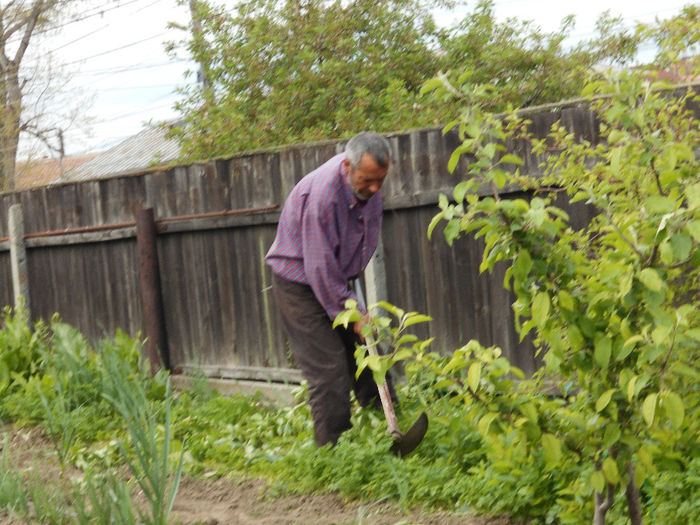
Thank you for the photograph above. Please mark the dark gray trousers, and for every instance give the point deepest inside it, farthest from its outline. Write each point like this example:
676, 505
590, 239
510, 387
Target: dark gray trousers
326, 359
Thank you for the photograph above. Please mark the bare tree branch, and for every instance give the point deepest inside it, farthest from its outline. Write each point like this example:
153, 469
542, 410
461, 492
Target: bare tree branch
30, 25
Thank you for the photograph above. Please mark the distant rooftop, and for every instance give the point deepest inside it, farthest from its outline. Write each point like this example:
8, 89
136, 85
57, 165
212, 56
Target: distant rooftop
40, 172
146, 149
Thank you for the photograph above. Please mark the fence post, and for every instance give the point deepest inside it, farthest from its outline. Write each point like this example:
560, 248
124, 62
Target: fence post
18, 258
153, 319
375, 276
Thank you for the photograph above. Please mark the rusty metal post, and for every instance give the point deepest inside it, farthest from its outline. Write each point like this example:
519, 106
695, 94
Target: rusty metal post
152, 315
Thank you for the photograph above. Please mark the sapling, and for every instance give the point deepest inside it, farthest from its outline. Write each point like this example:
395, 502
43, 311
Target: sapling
613, 306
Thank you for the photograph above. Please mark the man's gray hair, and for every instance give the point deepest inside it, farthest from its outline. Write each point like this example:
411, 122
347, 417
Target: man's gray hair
368, 142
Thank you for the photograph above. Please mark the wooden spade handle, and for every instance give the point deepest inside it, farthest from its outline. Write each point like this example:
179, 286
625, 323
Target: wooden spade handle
385, 396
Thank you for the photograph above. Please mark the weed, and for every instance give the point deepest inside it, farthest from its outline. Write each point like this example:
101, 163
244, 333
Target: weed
13, 495
103, 500
151, 466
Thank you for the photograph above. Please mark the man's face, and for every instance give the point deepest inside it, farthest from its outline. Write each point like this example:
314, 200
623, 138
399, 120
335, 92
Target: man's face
367, 178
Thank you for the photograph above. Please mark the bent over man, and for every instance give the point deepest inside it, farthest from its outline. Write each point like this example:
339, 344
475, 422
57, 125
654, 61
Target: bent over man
328, 230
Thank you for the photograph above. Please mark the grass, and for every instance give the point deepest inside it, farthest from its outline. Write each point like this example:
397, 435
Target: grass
106, 413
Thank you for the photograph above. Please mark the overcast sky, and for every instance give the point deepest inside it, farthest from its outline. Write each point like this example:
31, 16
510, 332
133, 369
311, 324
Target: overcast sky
117, 59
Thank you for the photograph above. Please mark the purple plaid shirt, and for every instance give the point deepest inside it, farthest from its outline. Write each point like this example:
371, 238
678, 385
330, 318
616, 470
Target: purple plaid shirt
326, 235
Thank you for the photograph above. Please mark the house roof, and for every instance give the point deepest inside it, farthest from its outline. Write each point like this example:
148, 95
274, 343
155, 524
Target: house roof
41, 172
146, 149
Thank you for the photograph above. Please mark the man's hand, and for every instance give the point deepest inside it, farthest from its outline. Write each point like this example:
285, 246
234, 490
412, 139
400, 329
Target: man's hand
357, 327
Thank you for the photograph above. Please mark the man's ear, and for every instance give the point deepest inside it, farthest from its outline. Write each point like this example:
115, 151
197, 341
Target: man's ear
347, 165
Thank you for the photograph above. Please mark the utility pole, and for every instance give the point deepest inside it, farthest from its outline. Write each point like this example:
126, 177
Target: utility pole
61, 150
202, 77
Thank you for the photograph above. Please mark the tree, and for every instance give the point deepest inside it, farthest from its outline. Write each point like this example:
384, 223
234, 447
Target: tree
302, 70
20, 21
283, 72
515, 64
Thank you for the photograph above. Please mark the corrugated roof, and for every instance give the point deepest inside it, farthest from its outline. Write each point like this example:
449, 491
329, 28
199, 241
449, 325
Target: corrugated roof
144, 150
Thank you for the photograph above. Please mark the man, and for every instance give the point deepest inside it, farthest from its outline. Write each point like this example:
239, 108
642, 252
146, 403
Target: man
328, 230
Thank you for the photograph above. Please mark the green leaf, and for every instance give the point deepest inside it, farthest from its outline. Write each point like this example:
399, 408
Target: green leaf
4, 375
660, 204
615, 160
499, 178
346, 317
443, 383
631, 388
461, 190
610, 471
692, 196
575, 337
431, 85
452, 230
451, 124
633, 340
473, 129
611, 435
509, 158
666, 253
522, 265
415, 319
540, 308
474, 376
402, 355
673, 405
369, 361
529, 411
604, 399
649, 409
598, 481
485, 422
603, 350
454, 159
651, 279
626, 284
694, 333
681, 245
660, 335
433, 223
566, 301
489, 150
517, 372
405, 339
552, 449
693, 228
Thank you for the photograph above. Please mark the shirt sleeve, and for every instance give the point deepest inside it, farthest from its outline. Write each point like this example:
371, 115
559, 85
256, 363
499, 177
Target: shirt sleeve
320, 239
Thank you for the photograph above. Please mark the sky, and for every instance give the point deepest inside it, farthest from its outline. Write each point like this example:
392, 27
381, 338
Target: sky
118, 70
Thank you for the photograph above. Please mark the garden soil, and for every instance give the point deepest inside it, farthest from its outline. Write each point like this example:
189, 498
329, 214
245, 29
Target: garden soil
228, 502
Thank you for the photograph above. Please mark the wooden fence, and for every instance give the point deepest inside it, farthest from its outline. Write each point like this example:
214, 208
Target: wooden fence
215, 222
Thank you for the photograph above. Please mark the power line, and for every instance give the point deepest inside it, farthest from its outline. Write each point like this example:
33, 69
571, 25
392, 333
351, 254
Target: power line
116, 49
99, 12
123, 69
80, 38
104, 27
137, 88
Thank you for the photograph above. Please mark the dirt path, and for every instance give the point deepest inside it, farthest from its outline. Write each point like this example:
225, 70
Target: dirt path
226, 502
